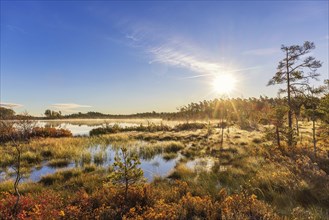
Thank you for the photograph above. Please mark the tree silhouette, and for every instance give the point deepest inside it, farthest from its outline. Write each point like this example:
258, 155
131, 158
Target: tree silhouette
291, 71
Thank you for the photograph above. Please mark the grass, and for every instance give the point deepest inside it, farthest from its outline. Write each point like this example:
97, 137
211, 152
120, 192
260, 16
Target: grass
61, 176
58, 163
173, 146
190, 152
257, 140
99, 158
169, 156
182, 172
291, 181
86, 158
89, 168
31, 157
6, 159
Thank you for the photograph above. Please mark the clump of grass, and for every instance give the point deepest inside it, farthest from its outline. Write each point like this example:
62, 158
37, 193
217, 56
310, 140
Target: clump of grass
46, 153
67, 174
189, 153
169, 156
108, 129
257, 140
114, 137
173, 146
30, 157
149, 152
181, 172
50, 179
6, 186
86, 158
89, 168
6, 160
60, 176
62, 148
190, 126
58, 163
99, 158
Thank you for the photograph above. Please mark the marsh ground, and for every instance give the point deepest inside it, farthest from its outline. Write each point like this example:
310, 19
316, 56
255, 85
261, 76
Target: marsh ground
247, 176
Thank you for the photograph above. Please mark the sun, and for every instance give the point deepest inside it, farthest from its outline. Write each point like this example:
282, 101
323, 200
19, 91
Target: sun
224, 83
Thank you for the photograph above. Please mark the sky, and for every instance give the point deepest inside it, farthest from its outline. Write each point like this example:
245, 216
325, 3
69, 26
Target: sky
123, 57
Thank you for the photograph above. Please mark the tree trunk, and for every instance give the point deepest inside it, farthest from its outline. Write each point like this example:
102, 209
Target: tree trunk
290, 133
222, 138
126, 190
222, 135
17, 179
277, 136
314, 138
297, 125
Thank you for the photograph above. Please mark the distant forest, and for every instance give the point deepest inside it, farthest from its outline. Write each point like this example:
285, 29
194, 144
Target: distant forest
251, 111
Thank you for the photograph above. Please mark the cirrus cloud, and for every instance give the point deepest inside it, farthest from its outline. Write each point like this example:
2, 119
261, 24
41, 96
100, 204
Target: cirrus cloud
10, 105
179, 58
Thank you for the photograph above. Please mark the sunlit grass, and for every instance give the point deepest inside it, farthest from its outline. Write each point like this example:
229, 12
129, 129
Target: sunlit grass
58, 163
282, 177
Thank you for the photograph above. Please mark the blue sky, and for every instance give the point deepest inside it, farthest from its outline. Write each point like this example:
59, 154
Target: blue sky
127, 57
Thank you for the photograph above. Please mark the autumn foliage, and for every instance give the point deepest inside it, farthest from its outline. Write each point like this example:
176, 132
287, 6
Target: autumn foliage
145, 201
50, 132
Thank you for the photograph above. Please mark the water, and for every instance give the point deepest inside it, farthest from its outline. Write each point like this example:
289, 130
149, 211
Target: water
198, 164
153, 166
81, 128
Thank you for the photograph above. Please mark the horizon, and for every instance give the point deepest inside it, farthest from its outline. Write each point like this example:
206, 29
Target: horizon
134, 57
118, 114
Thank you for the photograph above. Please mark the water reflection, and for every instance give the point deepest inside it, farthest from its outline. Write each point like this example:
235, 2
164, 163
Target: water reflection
152, 163
79, 128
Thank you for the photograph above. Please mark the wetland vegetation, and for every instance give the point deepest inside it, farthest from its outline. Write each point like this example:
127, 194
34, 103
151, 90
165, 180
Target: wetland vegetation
186, 172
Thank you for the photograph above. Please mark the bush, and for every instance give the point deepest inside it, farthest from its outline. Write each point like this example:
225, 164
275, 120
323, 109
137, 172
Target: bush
50, 132
151, 127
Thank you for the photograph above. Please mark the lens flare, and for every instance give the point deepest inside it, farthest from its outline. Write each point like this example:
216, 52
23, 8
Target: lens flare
224, 84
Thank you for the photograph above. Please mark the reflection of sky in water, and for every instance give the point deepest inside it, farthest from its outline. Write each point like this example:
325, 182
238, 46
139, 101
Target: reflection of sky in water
36, 174
201, 164
157, 167
2, 176
79, 128
153, 167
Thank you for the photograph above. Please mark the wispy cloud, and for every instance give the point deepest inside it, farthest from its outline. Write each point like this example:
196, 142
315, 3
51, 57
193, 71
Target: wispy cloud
170, 49
261, 51
178, 51
179, 58
10, 105
16, 29
69, 107
132, 37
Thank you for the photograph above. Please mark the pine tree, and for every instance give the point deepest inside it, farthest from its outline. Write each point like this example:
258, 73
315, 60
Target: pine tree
125, 169
292, 72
